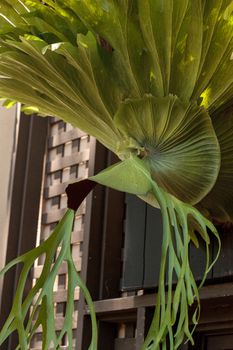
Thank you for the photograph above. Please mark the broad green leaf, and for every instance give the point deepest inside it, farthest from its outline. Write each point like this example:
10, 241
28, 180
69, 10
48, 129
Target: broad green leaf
176, 140
56, 87
101, 64
216, 68
173, 35
11, 13
187, 51
116, 24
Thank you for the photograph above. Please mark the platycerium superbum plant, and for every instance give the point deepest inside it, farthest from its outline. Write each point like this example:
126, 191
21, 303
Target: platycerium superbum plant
152, 80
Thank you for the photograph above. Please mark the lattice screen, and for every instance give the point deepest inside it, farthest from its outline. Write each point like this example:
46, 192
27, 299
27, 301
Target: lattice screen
66, 161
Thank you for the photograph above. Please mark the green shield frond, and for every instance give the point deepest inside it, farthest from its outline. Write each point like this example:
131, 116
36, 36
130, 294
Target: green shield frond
176, 140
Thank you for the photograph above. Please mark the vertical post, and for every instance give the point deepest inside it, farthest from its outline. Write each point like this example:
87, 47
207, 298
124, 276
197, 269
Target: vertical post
144, 318
9, 120
101, 265
111, 263
141, 325
93, 230
25, 203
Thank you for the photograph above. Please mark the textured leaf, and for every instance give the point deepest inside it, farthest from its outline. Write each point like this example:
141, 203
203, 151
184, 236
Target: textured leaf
173, 33
56, 87
216, 68
116, 24
101, 63
187, 51
176, 140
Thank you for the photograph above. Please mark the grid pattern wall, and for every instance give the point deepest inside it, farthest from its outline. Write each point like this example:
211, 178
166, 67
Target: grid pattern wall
66, 161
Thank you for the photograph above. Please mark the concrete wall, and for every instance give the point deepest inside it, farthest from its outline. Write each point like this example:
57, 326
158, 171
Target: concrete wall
8, 141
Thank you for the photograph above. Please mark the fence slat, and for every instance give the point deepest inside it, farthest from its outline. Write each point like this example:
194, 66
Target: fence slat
133, 268
153, 243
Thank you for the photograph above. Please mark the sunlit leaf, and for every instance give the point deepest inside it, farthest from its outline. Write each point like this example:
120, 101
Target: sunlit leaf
176, 140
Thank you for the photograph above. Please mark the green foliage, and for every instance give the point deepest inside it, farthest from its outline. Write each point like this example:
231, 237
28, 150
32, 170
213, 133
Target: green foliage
153, 81
174, 139
39, 300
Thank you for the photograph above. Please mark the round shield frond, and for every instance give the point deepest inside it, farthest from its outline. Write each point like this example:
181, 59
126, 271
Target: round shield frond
177, 141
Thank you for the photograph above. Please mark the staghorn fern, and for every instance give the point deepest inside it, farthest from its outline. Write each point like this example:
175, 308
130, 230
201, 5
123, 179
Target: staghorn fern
152, 80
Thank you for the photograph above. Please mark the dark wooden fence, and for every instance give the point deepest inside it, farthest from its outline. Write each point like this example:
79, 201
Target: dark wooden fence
142, 249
